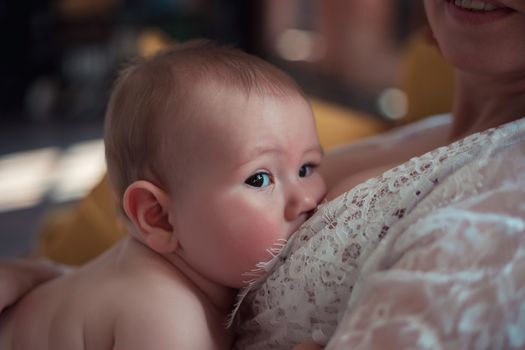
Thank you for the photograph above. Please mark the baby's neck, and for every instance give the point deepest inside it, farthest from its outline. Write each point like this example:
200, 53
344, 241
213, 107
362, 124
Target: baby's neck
219, 296
222, 297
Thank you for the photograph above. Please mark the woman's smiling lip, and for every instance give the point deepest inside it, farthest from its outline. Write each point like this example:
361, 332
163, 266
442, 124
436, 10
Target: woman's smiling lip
462, 13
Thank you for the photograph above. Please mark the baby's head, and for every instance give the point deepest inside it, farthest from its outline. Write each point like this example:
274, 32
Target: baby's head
155, 101
213, 154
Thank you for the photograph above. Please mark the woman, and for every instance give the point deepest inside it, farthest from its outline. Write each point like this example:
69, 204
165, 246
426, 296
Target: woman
431, 249
403, 293
488, 52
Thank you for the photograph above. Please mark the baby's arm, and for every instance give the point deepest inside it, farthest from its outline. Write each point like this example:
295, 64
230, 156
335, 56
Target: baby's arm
17, 277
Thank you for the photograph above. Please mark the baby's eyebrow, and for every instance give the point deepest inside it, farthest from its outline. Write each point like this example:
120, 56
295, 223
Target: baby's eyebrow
257, 151
317, 149
265, 149
262, 149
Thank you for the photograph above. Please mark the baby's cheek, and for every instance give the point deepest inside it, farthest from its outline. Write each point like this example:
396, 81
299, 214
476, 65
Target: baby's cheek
261, 236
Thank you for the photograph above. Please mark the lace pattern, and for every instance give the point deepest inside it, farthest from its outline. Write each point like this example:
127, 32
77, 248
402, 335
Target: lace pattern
341, 254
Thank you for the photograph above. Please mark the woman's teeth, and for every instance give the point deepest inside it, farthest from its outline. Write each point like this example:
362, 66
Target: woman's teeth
474, 5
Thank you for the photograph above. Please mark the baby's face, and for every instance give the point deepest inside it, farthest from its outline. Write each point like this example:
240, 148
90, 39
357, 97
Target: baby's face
251, 181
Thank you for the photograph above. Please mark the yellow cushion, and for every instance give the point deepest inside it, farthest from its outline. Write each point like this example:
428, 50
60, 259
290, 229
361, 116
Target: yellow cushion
75, 235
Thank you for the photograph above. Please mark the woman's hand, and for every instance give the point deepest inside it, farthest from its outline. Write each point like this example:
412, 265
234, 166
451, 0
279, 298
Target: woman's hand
17, 277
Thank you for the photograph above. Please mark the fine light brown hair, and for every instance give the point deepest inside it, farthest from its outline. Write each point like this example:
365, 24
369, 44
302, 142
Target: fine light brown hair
150, 94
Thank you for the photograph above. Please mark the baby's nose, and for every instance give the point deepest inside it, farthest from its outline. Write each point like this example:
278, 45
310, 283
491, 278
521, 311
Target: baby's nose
300, 202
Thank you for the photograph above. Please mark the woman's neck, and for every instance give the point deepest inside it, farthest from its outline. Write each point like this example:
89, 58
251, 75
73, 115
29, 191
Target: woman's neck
484, 103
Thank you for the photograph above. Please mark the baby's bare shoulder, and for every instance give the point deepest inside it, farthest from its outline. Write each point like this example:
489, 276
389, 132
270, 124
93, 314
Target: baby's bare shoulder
168, 315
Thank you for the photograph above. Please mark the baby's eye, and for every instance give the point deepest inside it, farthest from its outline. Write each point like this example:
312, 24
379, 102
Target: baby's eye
259, 180
306, 170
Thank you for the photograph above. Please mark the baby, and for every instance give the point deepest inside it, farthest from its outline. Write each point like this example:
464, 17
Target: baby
212, 156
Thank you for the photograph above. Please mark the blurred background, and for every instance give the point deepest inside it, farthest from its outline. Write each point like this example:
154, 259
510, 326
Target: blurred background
59, 58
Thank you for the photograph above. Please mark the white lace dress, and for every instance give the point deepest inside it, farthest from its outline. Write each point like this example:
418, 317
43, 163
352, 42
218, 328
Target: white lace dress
429, 255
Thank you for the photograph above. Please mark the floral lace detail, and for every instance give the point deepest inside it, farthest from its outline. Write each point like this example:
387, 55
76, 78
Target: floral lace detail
312, 279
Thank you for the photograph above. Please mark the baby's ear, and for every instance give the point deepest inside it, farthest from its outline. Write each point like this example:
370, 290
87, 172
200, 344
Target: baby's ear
148, 208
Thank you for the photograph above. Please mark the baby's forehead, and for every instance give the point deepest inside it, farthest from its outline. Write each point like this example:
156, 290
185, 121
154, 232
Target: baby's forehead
211, 107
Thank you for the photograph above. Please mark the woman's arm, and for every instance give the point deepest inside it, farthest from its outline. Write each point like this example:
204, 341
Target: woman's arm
371, 156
